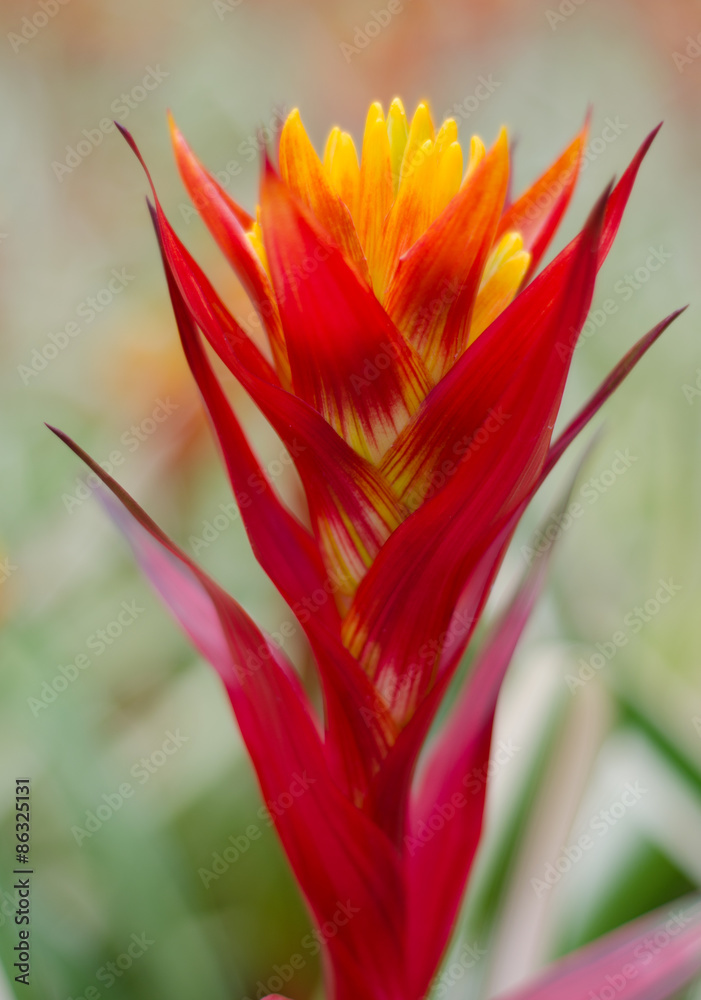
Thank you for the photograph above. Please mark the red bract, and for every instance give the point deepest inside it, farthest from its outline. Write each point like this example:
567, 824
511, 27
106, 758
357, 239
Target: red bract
415, 374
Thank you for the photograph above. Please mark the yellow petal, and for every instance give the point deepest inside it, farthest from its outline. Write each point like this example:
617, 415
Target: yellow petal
344, 172
448, 176
398, 131
507, 246
420, 131
304, 173
447, 135
435, 282
376, 190
477, 154
330, 147
501, 281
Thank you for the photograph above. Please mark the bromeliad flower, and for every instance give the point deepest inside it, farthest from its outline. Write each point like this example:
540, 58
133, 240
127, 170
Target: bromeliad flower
414, 363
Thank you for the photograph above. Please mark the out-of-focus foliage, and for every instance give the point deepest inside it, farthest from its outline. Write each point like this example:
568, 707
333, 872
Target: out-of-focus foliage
88, 343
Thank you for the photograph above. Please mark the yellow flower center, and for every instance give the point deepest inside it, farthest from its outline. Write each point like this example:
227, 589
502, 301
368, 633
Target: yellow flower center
378, 206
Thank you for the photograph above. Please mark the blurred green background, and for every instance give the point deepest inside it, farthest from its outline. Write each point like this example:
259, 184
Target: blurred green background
95, 679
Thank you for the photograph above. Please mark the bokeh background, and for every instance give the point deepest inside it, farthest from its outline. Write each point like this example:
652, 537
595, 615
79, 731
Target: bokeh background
95, 680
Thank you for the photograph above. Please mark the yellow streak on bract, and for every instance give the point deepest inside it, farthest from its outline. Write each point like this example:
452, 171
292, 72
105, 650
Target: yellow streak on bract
478, 152
344, 551
255, 236
501, 280
398, 131
342, 561
409, 216
354, 636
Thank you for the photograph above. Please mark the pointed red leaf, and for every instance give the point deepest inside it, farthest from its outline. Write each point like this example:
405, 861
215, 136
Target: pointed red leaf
228, 225
616, 204
606, 389
246, 350
536, 215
